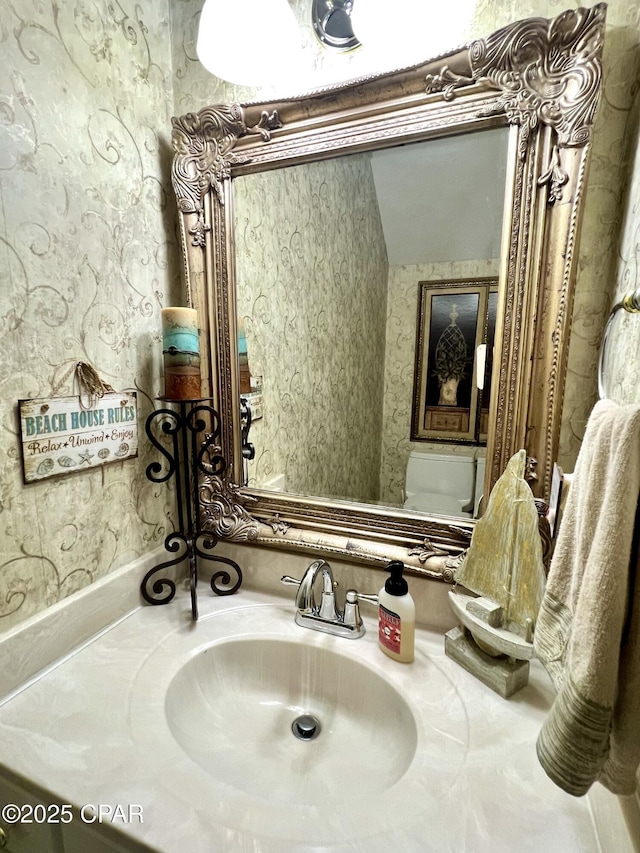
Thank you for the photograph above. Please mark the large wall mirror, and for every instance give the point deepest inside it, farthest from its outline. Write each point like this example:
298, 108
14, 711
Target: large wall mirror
313, 228
329, 258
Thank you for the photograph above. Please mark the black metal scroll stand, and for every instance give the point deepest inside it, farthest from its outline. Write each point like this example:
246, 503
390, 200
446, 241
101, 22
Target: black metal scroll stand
195, 432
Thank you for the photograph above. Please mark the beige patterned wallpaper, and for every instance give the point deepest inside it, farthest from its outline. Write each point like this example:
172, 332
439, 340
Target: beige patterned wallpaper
312, 287
87, 258
88, 253
622, 362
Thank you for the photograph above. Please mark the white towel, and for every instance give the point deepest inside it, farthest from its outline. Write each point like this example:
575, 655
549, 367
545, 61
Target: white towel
588, 629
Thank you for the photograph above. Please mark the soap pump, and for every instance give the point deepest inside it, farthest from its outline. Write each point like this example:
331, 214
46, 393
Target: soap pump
396, 616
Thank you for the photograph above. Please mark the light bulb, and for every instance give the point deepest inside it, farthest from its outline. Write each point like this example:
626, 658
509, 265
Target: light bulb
410, 32
250, 42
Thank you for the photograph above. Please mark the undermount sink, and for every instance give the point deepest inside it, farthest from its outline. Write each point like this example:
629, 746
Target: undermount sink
290, 722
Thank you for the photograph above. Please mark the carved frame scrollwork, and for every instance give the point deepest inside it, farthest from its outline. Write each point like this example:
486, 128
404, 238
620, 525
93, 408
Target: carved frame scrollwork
541, 77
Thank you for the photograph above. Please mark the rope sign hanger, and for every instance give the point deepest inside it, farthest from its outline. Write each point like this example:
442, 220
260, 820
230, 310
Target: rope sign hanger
90, 386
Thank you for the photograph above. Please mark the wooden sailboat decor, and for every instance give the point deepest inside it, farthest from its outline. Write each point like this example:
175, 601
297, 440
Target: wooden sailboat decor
499, 586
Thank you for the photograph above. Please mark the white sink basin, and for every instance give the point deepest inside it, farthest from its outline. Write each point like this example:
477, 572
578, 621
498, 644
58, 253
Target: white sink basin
231, 707
221, 697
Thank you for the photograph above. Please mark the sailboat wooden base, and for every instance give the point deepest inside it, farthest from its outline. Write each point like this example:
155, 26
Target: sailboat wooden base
498, 638
504, 675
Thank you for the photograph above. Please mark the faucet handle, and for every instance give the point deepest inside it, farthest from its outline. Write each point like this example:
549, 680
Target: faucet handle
372, 599
352, 609
287, 580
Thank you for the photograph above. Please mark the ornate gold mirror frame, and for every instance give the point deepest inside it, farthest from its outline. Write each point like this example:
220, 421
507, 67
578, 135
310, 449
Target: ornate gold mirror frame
543, 78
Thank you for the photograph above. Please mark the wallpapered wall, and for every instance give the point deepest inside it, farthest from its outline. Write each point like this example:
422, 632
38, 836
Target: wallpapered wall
87, 258
622, 362
88, 253
312, 287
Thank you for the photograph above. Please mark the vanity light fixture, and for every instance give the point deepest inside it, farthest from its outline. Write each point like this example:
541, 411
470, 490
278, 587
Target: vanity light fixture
259, 43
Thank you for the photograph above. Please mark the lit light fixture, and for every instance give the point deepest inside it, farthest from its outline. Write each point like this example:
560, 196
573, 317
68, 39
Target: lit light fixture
410, 32
258, 43
250, 42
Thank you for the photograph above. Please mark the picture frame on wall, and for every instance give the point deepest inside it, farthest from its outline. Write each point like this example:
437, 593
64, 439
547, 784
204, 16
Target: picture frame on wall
450, 399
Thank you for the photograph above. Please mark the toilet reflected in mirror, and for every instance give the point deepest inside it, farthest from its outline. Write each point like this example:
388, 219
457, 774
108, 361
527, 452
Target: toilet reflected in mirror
440, 483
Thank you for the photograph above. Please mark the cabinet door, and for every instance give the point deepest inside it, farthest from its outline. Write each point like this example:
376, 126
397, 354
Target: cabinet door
27, 835
79, 838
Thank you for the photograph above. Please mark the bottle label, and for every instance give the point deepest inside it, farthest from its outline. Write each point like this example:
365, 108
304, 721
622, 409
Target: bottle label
389, 629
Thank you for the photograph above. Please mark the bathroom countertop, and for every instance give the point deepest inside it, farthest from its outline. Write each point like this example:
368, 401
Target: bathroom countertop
93, 730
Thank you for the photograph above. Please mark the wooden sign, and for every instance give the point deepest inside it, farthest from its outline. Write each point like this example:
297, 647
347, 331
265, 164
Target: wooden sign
59, 435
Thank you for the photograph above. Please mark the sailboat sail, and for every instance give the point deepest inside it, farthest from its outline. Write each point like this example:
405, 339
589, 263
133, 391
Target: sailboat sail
504, 562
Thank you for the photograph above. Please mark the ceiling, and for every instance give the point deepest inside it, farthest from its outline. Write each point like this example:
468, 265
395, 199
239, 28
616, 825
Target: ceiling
443, 200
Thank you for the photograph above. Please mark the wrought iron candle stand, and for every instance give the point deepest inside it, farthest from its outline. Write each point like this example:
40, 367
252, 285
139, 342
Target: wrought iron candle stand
194, 430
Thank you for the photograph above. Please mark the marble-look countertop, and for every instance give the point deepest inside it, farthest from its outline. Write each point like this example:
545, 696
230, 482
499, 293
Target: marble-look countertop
94, 730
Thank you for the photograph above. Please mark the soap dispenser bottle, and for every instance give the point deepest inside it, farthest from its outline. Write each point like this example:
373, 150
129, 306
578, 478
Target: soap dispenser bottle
396, 616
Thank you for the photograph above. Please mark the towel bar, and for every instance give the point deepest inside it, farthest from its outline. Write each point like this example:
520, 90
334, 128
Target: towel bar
629, 303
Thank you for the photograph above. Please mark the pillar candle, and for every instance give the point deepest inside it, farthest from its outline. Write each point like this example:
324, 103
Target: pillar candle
182, 383
180, 344
180, 330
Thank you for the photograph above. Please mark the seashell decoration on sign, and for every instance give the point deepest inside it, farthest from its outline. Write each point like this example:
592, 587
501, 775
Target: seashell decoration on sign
67, 462
45, 468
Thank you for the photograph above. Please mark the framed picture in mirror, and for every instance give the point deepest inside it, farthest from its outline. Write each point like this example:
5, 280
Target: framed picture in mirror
455, 327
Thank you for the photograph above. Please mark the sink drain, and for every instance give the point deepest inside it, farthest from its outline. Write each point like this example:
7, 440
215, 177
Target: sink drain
306, 727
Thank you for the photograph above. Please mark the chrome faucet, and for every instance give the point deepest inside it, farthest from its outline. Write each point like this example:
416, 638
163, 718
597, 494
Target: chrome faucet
326, 616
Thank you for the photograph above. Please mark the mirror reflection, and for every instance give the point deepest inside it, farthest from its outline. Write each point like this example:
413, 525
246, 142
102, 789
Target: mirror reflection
330, 260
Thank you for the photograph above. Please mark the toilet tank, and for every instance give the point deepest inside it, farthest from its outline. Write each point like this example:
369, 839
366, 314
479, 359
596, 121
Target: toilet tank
440, 473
